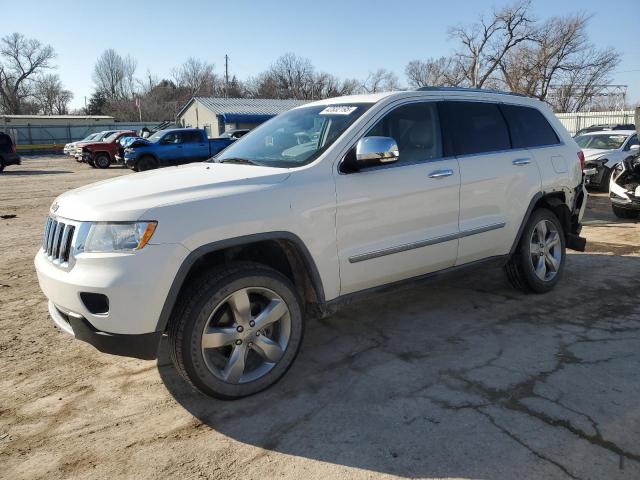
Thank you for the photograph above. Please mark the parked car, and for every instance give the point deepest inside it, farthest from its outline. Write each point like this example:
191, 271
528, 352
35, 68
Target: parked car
8, 154
235, 134
101, 154
175, 146
77, 153
604, 127
603, 150
228, 257
624, 188
70, 148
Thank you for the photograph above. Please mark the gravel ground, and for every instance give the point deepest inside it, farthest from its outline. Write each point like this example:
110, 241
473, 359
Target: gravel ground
461, 378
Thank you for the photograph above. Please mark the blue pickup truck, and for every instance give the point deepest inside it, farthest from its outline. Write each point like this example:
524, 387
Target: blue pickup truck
174, 146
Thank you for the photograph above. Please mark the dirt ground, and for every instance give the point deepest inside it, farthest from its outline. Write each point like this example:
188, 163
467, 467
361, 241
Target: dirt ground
461, 378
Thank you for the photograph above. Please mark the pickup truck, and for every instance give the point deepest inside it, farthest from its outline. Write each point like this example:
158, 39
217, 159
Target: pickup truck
102, 153
172, 147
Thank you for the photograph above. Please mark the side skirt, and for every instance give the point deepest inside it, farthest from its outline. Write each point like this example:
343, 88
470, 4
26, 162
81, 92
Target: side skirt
332, 306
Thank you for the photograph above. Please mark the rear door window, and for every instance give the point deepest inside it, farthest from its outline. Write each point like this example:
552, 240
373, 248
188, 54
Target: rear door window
473, 127
529, 127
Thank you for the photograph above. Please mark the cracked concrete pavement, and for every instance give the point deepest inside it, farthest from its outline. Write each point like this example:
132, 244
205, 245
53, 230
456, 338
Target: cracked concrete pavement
458, 378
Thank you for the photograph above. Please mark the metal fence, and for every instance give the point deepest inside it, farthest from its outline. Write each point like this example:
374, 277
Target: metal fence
52, 138
575, 121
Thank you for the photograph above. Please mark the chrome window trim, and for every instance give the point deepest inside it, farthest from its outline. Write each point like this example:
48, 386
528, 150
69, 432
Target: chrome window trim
406, 101
424, 243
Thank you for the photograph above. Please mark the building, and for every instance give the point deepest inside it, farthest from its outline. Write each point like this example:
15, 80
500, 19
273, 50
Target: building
218, 115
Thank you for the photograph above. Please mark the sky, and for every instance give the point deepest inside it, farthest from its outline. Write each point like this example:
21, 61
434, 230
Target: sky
348, 38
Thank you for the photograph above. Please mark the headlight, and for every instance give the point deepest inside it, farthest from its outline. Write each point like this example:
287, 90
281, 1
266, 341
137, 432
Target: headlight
118, 236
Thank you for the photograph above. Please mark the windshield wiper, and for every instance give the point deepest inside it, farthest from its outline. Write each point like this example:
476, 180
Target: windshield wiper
238, 160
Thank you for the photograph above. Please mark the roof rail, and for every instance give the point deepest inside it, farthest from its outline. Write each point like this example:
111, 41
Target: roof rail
465, 89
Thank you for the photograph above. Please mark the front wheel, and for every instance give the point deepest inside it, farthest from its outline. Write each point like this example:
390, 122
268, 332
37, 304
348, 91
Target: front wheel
237, 330
538, 262
102, 161
604, 181
146, 163
624, 213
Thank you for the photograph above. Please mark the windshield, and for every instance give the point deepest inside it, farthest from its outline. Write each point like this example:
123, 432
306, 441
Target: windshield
294, 138
602, 141
90, 137
111, 138
156, 136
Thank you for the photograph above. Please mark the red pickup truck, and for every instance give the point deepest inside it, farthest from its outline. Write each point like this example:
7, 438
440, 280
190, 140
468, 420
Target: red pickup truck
101, 154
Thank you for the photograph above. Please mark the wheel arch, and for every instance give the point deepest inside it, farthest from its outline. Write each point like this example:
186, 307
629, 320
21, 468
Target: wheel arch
283, 251
554, 201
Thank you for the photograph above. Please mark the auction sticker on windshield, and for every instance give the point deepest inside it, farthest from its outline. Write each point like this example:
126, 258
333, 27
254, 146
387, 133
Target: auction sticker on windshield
338, 110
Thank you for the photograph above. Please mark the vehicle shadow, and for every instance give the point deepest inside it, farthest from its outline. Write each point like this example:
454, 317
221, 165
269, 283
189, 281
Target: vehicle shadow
464, 377
20, 173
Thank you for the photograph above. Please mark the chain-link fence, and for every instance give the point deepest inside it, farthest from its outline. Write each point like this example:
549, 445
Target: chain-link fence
52, 138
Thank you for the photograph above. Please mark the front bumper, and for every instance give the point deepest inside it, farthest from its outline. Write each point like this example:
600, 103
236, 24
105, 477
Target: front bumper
143, 346
12, 159
136, 286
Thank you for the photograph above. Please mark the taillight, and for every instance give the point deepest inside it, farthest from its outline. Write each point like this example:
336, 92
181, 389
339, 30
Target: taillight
581, 158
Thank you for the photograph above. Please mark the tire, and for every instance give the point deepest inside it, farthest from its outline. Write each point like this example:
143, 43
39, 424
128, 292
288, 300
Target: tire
624, 213
214, 365
535, 272
146, 163
604, 182
102, 161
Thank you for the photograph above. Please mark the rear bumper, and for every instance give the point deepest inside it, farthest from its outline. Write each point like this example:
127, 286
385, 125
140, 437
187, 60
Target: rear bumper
143, 346
573, 239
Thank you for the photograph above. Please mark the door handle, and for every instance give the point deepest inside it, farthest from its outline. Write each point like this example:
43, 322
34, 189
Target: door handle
521, 161
441, 173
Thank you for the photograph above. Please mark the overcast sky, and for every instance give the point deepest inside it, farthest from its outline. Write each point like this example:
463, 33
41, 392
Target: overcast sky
346, 38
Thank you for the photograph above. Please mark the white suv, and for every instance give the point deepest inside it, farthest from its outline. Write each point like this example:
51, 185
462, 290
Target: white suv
330, 200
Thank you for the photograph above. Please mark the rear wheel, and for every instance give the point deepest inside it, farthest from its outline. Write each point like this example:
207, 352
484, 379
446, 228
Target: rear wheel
538, 262
624, 212
146, 163
237, 331
102, 161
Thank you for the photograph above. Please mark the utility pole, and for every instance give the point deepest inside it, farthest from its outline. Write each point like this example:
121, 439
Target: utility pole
226, 75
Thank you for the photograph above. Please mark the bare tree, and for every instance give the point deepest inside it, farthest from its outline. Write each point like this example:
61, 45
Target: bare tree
435, 72
485, 43
197, 77
50, 96
560, 65
382, 80
292, 76
21, 61
113, 75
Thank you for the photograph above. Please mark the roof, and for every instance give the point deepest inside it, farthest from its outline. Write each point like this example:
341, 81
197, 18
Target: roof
59, 117
259, 106
610, 132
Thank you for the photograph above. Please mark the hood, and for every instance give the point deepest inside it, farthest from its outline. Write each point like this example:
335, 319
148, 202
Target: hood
139, 142
594, 153
130, 196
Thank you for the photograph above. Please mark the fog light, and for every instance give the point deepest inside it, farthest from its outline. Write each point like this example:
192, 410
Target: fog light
96, 303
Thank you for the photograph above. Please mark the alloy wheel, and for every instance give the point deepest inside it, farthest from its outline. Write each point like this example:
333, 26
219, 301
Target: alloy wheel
545, 250
246, 335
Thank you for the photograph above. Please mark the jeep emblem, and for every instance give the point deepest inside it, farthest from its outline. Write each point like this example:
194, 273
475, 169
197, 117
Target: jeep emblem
54, 207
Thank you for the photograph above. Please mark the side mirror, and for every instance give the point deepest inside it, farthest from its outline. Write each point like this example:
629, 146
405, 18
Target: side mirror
634, 147
376, 150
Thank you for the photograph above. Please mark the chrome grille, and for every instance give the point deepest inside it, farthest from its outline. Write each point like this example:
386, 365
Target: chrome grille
58, 239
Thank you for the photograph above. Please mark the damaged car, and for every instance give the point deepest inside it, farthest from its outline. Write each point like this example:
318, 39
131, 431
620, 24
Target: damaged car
603, 150
624, 188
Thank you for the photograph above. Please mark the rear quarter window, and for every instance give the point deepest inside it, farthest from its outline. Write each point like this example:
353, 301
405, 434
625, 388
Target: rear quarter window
473, 127
529, 127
